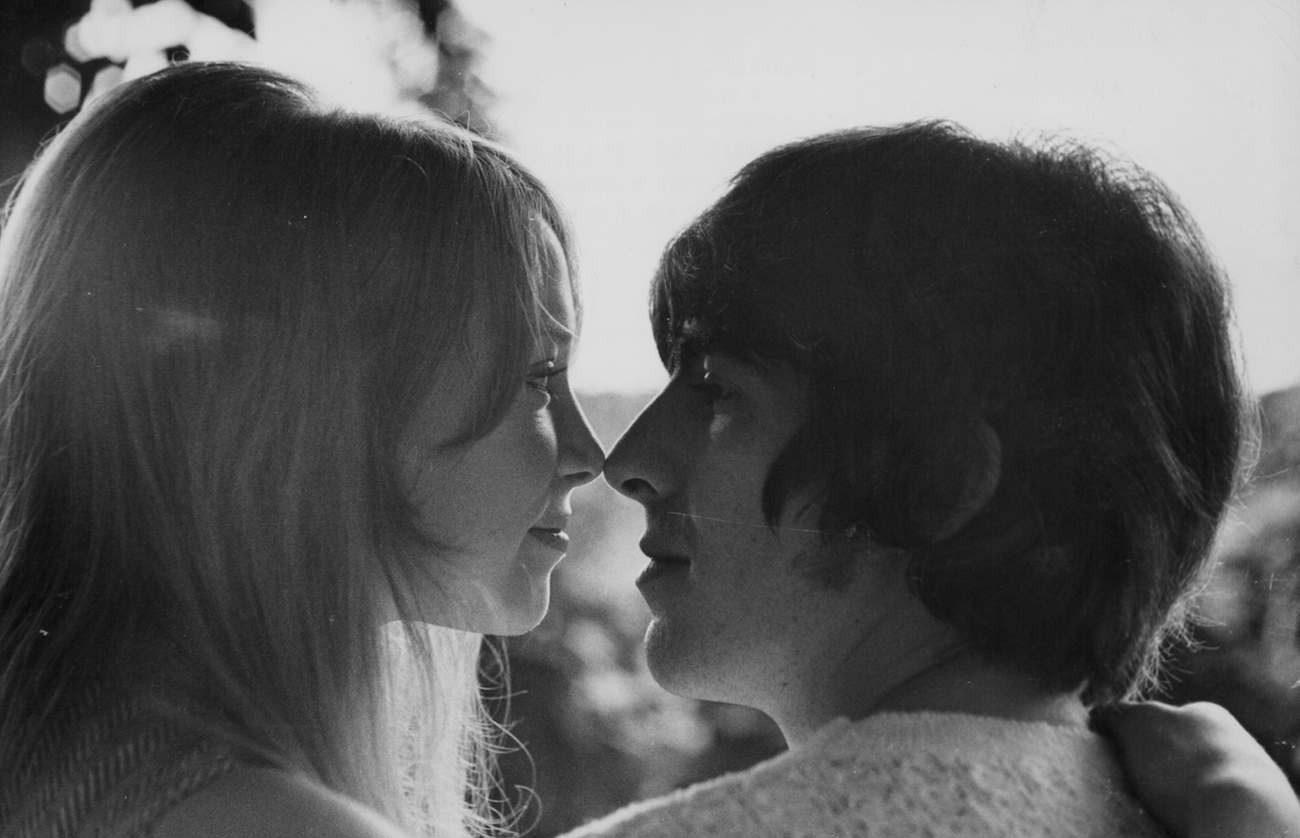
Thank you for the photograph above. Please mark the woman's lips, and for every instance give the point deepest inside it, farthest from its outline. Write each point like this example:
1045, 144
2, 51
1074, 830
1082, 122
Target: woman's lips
555, 539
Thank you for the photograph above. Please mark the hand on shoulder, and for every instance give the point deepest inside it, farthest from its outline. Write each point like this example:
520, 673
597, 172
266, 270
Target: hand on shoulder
270, 803
1200, 773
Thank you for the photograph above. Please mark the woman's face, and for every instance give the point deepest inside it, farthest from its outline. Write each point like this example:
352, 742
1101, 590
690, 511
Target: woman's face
495, 510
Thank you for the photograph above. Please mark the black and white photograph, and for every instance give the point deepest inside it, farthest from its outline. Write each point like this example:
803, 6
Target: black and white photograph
649, 418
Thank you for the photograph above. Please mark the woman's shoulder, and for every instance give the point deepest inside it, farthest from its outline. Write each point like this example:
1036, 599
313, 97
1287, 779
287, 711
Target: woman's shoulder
252, 802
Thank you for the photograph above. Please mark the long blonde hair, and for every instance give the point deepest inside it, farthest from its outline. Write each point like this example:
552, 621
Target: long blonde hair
219, 304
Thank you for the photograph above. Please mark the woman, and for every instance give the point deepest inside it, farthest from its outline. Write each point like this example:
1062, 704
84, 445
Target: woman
275, 377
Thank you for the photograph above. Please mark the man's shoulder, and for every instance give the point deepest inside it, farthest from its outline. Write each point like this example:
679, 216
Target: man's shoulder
860, 778
746, 803
715, 808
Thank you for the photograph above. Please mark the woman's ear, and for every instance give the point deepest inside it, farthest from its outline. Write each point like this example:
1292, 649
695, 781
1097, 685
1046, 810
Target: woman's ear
977, 467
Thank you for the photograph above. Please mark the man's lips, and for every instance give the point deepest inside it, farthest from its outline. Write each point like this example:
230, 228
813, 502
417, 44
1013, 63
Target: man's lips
663, 563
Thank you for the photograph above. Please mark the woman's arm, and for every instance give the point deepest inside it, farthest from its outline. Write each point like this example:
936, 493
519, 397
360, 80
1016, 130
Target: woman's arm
269, 803
1200, 773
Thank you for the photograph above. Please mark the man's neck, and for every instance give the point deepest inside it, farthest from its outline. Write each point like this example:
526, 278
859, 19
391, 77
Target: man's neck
951, 680
967, 684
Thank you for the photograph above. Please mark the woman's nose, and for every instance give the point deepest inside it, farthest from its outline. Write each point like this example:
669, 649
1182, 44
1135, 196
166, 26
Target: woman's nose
581, 457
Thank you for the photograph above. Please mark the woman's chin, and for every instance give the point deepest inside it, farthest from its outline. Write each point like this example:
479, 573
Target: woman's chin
502, 616
522, 617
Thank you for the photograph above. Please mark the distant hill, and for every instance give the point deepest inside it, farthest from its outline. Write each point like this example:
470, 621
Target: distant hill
611, 413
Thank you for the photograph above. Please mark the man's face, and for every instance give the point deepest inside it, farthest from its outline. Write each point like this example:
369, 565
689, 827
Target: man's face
1251, 609
736, 610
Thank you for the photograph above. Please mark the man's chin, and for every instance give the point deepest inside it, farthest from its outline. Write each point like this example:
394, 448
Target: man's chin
672, 659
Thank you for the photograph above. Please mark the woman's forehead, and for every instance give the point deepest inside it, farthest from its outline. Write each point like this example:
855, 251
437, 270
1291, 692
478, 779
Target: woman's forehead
557, 295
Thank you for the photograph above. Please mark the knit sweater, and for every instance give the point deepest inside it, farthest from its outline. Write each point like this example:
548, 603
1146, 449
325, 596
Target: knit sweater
112, 771
907, 774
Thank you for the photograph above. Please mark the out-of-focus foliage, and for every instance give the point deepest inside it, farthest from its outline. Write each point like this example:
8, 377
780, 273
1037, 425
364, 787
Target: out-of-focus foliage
397, 56
598, 732
1248, 652
386, 55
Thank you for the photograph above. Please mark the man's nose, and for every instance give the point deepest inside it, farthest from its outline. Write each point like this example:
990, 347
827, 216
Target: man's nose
641, 463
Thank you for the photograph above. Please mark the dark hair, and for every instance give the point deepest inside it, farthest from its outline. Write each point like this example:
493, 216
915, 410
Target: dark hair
220, 304
933, 287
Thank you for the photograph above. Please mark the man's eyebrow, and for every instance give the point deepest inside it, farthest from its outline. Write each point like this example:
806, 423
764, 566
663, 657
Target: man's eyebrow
730, 363
691, 343
731, 359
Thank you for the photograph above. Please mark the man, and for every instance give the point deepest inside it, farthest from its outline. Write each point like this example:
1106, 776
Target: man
949, 429
1249, 610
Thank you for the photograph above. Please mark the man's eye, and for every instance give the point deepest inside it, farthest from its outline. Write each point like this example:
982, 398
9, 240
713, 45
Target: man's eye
717, 393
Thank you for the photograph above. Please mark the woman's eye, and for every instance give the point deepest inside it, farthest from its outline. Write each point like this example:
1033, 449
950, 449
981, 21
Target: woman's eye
540, 377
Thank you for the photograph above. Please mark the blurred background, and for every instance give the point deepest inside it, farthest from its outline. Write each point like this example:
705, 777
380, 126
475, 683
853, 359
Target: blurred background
636, 113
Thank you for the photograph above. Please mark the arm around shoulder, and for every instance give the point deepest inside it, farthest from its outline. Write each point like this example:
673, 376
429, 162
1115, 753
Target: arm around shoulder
1199, 771
270, 803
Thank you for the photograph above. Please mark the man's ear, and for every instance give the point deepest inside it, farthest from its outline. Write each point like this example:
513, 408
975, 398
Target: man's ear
977, 467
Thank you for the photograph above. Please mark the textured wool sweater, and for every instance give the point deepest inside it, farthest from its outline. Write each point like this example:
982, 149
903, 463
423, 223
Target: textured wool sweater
907, 774
113, 769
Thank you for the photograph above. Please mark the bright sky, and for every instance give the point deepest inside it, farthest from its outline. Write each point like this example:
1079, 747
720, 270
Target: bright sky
637, 112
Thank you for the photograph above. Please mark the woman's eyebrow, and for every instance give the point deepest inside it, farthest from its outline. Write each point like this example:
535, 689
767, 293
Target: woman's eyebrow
556, 340
563, 337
